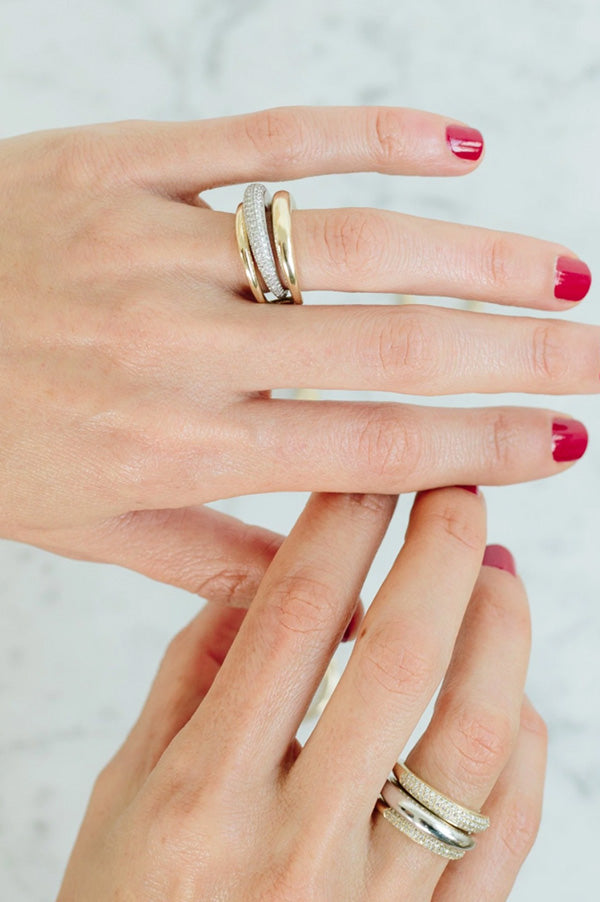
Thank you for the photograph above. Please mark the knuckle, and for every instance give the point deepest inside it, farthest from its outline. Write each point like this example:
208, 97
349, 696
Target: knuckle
301, 604
386, 443
365, 505
519, 827
500, 440
354, 240
395, 656
399, 347
494, 264
279, 135
481, 740
386, 137
456, 524
234, 586
551, 360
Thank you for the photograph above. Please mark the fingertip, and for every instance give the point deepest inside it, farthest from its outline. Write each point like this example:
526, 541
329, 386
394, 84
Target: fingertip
499, 557
466, 143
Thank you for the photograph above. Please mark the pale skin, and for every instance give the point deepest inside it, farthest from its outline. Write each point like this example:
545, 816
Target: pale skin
211, 796
136, 374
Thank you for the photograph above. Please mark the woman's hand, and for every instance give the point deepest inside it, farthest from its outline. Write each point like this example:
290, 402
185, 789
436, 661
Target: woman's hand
135, 374
212, 798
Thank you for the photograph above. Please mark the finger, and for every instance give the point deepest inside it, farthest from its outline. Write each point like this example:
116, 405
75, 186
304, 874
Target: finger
514, 807
476, 719
403, 650
194, 548
360, 249
294, 142
279, 445
300, 613
415, 350
186, 673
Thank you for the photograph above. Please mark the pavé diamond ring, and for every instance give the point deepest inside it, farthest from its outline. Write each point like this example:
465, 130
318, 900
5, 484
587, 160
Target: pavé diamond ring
427, 817
264, 238
455, 814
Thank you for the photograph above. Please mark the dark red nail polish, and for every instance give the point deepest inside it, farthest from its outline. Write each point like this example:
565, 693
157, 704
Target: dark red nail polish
569, 440
355, 622
464, 142
573, 279
500, 557
469, 488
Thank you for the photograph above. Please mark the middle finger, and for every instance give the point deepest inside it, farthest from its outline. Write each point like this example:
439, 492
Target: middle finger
363, 249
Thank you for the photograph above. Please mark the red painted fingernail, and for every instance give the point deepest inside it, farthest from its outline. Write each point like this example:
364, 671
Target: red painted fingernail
569, 440
469, 488
572, 280
352, 628
500, 557
466, 143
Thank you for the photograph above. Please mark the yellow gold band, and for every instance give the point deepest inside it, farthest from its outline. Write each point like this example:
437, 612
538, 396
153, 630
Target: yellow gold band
246, 254
281, 213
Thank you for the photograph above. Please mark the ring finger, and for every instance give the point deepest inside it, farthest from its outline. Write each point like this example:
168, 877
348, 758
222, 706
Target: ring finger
476, 720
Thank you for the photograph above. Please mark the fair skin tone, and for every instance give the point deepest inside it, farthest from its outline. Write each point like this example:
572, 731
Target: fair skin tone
211, 797
136, 375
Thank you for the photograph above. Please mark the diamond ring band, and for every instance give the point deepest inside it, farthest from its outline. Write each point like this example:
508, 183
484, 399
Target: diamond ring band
427, 816
263, 229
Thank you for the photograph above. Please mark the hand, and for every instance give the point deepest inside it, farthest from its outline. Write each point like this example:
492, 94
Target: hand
136, 374
211, 797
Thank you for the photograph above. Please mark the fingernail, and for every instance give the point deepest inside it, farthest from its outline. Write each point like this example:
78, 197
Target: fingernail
466, 143
500, 557
352, 627
572, 280
569, 439
469, 488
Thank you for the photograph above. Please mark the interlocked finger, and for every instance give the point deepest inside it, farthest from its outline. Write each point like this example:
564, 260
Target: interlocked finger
476, 719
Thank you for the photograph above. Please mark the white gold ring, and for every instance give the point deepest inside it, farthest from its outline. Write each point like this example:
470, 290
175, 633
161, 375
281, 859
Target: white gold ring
255, 204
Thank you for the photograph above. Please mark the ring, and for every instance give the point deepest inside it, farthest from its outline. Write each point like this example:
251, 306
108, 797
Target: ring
281, 213
453, 813
247, 258
255, 204
399, 820
428, 824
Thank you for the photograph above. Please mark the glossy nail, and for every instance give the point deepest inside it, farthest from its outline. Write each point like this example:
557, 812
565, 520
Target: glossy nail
464, 142
569, 439
572, 280
469, 488
500, 557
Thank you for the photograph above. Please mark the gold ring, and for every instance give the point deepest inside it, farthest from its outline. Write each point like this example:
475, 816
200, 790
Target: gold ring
281, 213
246, 254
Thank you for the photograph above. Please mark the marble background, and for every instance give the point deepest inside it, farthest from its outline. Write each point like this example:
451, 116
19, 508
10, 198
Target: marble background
79, 643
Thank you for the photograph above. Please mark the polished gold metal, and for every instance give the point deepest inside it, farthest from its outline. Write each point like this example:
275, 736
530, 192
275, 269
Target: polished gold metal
246, 255
281, 214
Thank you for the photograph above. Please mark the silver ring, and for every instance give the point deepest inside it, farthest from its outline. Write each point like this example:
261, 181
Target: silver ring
423, 819
436, 802
398, 820
255, 204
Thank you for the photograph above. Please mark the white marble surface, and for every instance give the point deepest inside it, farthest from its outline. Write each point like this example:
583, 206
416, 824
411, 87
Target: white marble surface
79, 643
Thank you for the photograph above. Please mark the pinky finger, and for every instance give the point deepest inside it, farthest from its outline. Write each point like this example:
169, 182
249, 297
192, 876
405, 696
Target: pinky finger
514, 808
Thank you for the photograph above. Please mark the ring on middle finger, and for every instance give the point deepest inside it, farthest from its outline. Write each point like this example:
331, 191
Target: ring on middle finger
264, 233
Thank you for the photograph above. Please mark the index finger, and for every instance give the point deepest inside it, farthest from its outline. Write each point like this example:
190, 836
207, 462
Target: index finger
298, 141
300, 612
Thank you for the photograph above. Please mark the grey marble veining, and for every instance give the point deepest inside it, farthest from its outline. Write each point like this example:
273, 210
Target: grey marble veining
79, 643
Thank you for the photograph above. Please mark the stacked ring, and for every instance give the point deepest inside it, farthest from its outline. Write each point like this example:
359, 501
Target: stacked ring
263, 231
427, 816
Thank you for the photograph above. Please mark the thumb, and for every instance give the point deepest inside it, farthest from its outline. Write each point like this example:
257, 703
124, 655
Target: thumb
194, 548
